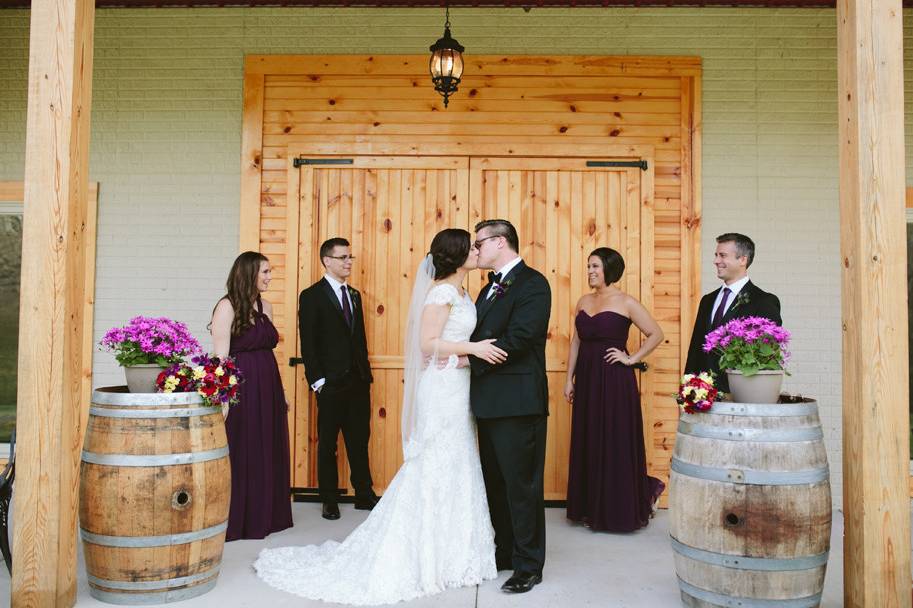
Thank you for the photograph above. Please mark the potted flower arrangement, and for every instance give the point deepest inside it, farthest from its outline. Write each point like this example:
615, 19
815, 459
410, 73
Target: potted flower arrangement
753, 352
696, 393
145, 346
215, 379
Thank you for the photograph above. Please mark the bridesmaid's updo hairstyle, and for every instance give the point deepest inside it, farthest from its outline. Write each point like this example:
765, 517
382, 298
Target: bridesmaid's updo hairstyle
613, 265
241, 288
449, 250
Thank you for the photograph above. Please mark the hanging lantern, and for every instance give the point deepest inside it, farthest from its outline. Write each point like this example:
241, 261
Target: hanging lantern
446, 62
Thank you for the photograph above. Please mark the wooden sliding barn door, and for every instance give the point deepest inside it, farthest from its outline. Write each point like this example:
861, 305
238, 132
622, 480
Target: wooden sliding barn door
563, 208
389, 208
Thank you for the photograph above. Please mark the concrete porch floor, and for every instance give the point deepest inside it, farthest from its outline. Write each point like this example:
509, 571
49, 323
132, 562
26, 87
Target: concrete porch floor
582, 569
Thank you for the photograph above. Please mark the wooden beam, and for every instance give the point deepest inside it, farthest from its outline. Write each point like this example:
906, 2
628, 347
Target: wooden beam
873, 261
251, 161
52, 322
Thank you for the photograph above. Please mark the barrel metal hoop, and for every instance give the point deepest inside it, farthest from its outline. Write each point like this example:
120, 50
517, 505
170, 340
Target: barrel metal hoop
739, 562
131, 413
165, 540
153, 460
811, 433
151, 599
717, 599
146, 399
752, 476
160, 584
763, 410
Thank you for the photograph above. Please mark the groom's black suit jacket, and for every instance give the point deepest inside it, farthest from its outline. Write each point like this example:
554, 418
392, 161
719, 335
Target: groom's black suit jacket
518, 319
751, 301
329, 347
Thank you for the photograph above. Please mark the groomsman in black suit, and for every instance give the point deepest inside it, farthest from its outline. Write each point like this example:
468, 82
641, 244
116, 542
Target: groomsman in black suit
335, 353
510, 402
736, 297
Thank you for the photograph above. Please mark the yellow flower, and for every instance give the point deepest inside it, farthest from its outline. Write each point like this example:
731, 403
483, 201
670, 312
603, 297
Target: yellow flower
171, 383
706, 377
232, 380
700, 394
220, 371
198, 372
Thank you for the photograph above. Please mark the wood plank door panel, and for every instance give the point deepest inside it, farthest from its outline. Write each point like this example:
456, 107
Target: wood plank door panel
562, 210
389, 208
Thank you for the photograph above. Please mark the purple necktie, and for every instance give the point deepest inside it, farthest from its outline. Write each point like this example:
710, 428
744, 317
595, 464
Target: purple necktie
721, 309
346, 309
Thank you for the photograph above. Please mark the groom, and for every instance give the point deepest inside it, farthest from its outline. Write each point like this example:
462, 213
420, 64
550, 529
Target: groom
510, 402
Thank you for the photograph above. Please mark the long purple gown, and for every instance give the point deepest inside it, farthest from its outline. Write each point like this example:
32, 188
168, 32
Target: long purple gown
257, 430
608, 486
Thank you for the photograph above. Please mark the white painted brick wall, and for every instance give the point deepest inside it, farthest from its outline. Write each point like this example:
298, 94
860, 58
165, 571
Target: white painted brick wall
166, 142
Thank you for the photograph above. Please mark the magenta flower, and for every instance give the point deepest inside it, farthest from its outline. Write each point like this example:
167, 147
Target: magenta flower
749, 344
150, 340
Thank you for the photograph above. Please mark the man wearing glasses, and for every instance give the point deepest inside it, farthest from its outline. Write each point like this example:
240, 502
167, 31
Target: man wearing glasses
510, 402
335, 353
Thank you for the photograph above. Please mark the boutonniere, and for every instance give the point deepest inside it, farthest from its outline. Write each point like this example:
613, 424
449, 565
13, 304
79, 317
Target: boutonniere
740, 299
501, 288
354, 296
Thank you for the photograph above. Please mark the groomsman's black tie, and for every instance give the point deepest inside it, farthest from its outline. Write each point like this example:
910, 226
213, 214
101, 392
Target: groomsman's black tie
721, 309
494, 277
346, 309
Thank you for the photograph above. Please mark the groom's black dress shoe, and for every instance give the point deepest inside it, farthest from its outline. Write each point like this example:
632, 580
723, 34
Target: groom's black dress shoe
521, 582
367, 503
330, 510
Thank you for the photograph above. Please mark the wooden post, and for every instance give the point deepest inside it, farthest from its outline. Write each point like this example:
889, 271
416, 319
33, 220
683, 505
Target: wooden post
873, 261
50, 413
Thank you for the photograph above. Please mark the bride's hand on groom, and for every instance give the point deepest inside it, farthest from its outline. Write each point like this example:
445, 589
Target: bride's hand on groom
488, 352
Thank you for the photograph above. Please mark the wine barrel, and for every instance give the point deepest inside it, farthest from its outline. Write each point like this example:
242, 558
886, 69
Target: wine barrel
153, 496
750, 506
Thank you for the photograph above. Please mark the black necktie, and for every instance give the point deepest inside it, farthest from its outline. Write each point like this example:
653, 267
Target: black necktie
721, 309
346, 309
494, 277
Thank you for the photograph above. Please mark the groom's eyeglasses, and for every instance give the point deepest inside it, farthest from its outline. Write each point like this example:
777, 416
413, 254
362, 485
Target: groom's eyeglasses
342, 258
478, 244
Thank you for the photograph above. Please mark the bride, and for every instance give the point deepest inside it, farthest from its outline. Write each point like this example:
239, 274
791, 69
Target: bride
431, 530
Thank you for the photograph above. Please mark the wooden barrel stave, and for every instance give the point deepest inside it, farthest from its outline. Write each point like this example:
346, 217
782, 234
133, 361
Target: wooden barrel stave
155, 474
740, 540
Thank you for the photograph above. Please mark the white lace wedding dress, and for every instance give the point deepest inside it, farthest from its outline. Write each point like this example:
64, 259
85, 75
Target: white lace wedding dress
431, 529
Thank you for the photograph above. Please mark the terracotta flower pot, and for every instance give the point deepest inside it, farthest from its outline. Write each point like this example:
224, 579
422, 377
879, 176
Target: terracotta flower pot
141, 378
762, 387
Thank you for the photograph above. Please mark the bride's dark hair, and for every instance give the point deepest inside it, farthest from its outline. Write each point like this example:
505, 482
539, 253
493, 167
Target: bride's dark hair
449, 250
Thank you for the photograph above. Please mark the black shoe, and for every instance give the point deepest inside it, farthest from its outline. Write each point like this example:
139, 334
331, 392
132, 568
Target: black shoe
366, 503
521, 582
330, 510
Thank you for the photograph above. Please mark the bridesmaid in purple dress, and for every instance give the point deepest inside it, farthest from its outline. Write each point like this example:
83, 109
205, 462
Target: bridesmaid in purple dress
608, 486
257, 426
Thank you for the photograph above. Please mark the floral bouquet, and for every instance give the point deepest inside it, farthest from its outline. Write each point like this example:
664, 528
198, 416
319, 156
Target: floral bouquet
150, 340
696, 393
214, 378
749, 345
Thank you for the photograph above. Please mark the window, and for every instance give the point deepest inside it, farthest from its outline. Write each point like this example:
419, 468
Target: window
10, 266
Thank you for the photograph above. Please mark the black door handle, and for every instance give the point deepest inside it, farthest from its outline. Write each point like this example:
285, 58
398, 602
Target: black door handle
293, 361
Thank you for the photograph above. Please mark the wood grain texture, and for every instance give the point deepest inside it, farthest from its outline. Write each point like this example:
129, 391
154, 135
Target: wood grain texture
873, 255
531, 107
52, 311
130, 501
251, 160
776, 520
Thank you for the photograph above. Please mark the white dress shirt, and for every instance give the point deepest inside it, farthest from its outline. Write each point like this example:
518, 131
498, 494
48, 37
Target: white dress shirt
734, 289
503, 272
336, 285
